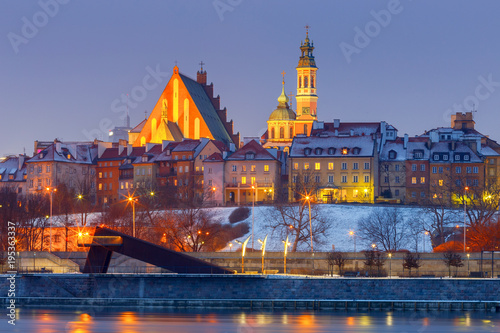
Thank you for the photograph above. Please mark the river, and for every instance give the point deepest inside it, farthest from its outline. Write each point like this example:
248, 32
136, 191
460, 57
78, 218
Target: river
186, 321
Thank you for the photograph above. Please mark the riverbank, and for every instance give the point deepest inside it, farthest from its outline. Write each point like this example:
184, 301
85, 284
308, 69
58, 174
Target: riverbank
254, 292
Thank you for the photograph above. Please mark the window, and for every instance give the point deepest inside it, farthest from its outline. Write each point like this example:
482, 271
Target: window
330, 179
355, 178
234, 180
210, 182
343, 179
367, 178
397, 180
458, 182
413, 194
111, 174
317, 179
386, 167
413, 180
209, 170
266, 168
330, 166
110, 186
422, 194
445, 157
435, 157
344, 166
367, 165
100, 174
295, 166
317, 166
307, 151
434, 170
306, 166
355, 166
386, 179
469, 170
234, 168
457, 157
186, 168
306, 179
440, 169
105, 175
458, 169
181, 169
422, 167
243, 180
413, 167
466, 157
396, 192
305, 82
318, 151
122, 186
392, 154
396, 167
252, 168
475, 182
475, 170
198, 168
243, 168
100, 186
149, 172
331, 151
252, 180
355, 193
294, 179
138, 172
440, 182
422, 180
48, 168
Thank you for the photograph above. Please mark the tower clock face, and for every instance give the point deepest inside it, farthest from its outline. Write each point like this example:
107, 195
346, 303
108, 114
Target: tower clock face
305, 110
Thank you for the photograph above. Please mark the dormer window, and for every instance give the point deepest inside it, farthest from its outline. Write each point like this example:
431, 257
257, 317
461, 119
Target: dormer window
457, 157
392, 154
445, 157
144, 159
250, 155
466, 157
356, 150
307, 151
418, 154
331, 151
68, 156
318, 151
40, 155
345, 151
435, 157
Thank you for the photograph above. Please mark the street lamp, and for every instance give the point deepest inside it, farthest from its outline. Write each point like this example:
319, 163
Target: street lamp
132, 200
230, 246
253, 207
390, 264
263, 248
213, 194
285, 253
353, 235
468, 267
51, 190
243, 249
425, 234
374, 246
308, 199
465, 215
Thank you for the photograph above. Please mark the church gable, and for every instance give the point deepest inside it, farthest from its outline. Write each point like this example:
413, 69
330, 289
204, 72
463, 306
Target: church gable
184, 110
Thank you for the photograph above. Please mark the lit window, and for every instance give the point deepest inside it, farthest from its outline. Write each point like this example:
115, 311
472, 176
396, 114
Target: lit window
317, 166
306, 166
244, 168
355, 193
413, 180
243, 180
100, 186
441, 182
330, 166
295, 166
252, 180
266, 168
422, 180
345, 151
252, 168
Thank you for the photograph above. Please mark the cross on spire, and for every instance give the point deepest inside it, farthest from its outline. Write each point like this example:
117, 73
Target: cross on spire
307, 29
175, 62
146, 114
201, 64
283, 73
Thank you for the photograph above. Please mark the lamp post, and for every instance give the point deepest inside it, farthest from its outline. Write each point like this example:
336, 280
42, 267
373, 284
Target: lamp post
353, 235
230, 247
308, 198
243, 249
253, 207
51, 190
425, 234
263, 251
285, 253
132, 201
213, 194
468, 267
390, 264
465, 216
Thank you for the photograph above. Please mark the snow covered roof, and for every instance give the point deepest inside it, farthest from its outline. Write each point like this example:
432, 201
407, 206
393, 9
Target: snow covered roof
252, 150
359, 129
333, 146
393, 151
187, 145
9, 169
417, 149
444, 148
67, 152
488, 151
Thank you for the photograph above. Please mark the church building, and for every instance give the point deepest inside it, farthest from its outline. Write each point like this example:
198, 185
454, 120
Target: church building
284, 123
186, 109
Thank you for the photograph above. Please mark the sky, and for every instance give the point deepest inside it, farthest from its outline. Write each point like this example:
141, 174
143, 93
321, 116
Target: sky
65, 65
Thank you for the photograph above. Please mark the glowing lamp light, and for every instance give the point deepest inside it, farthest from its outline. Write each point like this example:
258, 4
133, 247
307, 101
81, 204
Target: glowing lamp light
111, 133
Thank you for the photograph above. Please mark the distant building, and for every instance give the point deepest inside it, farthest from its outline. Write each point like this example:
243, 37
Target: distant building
13, 173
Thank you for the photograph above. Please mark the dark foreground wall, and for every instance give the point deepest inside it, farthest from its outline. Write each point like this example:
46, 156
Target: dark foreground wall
249, 287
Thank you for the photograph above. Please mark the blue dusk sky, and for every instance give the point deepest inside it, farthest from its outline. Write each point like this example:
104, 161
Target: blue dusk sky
65, 64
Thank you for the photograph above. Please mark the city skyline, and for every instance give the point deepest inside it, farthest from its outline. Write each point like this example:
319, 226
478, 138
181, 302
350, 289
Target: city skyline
409, 66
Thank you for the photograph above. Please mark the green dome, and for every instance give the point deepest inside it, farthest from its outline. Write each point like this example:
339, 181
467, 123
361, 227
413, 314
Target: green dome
282, 114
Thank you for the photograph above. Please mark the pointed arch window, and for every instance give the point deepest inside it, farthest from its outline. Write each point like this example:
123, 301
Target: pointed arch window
282, 132
300, 81
272, 133
305, 82
291, 132
312, 81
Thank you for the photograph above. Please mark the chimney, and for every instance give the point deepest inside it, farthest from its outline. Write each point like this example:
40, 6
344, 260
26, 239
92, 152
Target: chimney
336, 123
351, 132
336, 132
201, 77
21, 161
129, 150
232, 147
405, 141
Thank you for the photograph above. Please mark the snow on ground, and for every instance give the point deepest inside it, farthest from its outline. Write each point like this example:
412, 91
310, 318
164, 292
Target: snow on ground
344, 218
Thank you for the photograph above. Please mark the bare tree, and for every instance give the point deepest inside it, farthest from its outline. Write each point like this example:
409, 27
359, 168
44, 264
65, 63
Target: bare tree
385, 227
452, 259
293, 220
411, 261
336, 258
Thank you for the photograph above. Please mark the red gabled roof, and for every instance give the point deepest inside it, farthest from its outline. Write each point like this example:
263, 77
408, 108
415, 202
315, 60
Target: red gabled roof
215, 157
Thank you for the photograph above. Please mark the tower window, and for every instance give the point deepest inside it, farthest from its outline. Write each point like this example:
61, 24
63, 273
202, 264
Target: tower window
305, 82
312, 81
305, 129
282, 132
300, 81
272, 133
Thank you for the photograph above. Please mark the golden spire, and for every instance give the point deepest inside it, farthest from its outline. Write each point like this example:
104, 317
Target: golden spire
283, 97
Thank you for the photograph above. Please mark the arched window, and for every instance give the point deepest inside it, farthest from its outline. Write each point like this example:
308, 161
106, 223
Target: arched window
305, 129
305, 82
272, 133
312, 81
196, 128
282, 132
300, 81
143, 141
291, 132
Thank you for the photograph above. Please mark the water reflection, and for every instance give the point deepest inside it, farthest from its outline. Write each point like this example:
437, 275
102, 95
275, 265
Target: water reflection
144, 321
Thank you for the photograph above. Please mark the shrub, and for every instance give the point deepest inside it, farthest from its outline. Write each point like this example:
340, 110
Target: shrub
239, 214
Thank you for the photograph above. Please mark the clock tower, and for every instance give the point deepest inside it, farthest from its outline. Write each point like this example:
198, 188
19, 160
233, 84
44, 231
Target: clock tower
306, 87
